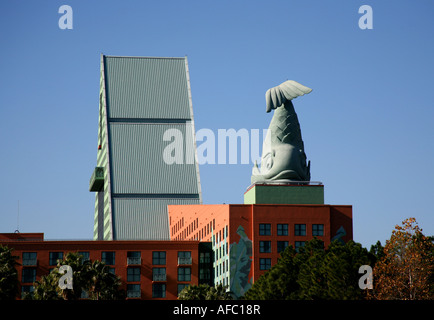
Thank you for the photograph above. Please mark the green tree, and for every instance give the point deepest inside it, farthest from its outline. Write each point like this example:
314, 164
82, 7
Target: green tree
8, 274
311, 276
93, 278
314, 273
376, 251
341, 270
204, 292
280, 282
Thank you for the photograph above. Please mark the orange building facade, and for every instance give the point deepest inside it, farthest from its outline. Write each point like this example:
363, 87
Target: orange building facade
229, 244
247, 239
147, 269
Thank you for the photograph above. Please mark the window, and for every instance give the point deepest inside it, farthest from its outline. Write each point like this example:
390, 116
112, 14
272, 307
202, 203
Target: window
28, 275
159, 257
282, 229
205, 257
264, 229
281, 246
317, 229
84, 256
108, 257
29, 259
265, 246
25, 290
133, 258
158, 274
204, 274
84, 294
54, 256
158, 290
184, 274
181, 286
133, 291
133, 274
112, 270
300, 229
184, 257
264, 263
298, 245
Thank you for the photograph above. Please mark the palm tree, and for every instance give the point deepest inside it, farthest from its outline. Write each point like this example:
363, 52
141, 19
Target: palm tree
94, 278
204, 292
8, 274
103, 285
45, 289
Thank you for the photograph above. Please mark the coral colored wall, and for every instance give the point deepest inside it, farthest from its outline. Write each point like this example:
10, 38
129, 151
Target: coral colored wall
195, 218
121, 248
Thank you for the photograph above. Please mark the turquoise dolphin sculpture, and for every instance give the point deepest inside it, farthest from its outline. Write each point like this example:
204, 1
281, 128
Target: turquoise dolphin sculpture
283, 157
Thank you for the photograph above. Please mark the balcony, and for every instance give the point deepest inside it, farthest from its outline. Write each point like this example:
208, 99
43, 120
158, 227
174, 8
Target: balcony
184, 261
97, 179
134, 261
159, 277
134, 294
30, 262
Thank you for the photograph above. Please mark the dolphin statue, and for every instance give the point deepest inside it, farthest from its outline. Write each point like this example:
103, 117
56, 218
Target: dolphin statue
283, 157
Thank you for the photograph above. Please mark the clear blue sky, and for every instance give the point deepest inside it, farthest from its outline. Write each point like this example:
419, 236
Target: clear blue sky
368, 125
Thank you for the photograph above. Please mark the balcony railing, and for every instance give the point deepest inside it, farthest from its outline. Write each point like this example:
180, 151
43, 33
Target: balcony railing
134, 294
97, 179
30, 262
159, 277
134, 261
184, 261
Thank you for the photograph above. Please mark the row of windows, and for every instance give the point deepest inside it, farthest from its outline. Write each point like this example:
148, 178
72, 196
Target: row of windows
222, 268
265, 263
158, 290
108, 257
282, 229
221, 235
158, 274
221, 251
133, 274
133, 290
192, 230
266, 246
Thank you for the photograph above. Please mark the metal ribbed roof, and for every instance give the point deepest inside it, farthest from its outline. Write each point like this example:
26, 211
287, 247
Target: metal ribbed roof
141, 87
143, 219
138, 166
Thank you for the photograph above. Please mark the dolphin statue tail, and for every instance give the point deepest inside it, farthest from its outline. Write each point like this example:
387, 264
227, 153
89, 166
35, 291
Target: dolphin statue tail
277, 96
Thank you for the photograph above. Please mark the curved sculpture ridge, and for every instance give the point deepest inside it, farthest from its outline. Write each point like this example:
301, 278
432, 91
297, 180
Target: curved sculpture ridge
288, 90
283, 156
